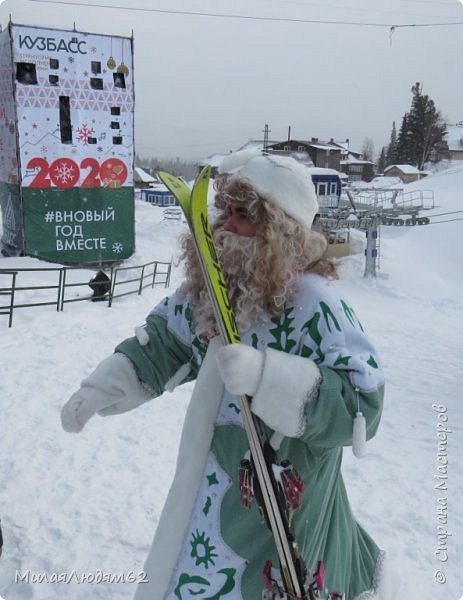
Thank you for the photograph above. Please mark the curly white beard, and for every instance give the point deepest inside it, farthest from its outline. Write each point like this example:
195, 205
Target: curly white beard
239, 258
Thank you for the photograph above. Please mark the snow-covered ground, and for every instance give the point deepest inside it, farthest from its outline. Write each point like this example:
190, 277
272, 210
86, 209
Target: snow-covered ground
85, 506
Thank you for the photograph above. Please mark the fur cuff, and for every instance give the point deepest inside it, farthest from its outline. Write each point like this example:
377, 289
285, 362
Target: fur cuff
288, 381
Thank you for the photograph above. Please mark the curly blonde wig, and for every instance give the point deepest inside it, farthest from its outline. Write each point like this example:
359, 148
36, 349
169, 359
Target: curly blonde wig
261, 271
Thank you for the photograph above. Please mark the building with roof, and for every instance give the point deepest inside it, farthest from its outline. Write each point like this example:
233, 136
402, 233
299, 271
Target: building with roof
406, 173
455, 140
357, 169
143, 179
322, 154
330, 155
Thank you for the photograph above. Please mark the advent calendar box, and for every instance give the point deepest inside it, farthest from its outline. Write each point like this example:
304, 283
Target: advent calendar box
67, 144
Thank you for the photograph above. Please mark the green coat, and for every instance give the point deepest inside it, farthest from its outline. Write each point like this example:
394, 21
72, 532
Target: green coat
207, 546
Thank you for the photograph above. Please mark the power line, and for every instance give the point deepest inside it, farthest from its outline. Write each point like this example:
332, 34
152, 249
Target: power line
447, 221
447, 213
250, 17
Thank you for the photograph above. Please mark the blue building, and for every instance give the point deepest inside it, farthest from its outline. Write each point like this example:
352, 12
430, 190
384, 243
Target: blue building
158, 195
328, 186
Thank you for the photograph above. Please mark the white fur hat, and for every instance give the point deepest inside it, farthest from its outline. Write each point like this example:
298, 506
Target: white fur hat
279, 179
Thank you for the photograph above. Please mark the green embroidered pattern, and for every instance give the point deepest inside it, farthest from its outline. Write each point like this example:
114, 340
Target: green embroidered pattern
328, 314
254, 341
201, 344
342, 360
372, 362
350, 314
212, 479
207, 505
227, 587
186, 579
311, 327
201, 550
282, 332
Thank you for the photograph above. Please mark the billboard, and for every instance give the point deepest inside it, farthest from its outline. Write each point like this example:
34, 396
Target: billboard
73, 124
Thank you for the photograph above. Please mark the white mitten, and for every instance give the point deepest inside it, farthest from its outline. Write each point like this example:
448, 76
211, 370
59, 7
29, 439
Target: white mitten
288, 382
111, 389
240, 368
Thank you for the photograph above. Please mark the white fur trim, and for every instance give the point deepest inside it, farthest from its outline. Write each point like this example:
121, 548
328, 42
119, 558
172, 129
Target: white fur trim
196, 439
288, 381
281, 180
240, 367
112, 388
389, 580
142, 335
386, 581
178, 377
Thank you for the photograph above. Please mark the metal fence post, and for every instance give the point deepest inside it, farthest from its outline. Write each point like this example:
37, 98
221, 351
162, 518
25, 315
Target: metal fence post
140, 287
113, 285
155, 269
61, 288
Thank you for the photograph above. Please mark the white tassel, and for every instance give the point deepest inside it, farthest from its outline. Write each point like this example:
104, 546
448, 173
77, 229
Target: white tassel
276, 439
141, 335
177, 377
359, 437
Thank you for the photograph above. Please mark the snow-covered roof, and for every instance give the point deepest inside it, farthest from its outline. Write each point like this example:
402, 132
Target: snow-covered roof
214, 160
455, 137
158, 187
141, 175
343, 145
379, 182
353, 159
323, 171
259, 144
322, 146
406, 169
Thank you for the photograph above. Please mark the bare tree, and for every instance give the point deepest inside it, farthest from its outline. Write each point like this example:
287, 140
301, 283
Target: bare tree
368, 149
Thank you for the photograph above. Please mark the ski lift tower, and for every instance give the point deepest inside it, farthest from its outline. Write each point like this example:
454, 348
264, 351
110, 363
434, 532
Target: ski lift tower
369, 208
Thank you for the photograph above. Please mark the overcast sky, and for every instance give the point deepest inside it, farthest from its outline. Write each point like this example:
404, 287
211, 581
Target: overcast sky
207, 84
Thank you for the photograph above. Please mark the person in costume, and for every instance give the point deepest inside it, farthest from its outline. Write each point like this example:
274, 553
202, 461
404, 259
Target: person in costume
309, 367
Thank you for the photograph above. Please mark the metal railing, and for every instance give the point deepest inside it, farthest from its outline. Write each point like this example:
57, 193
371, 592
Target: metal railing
23, 292
7, 309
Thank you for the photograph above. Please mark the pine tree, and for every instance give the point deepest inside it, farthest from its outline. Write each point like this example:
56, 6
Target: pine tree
422, 134
382, 160
392, 148
405, 148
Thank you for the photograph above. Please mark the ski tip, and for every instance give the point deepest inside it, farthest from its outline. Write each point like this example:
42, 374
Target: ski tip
171, 180
205, 173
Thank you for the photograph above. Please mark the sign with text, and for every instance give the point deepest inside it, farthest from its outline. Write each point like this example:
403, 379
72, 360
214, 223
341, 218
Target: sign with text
79, 225
72, 131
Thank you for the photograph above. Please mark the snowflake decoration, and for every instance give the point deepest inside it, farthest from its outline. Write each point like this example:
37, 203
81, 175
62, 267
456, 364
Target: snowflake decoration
64, 172
117, 248
44, 149
100, 148
83, 133
93, 49
71, 59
